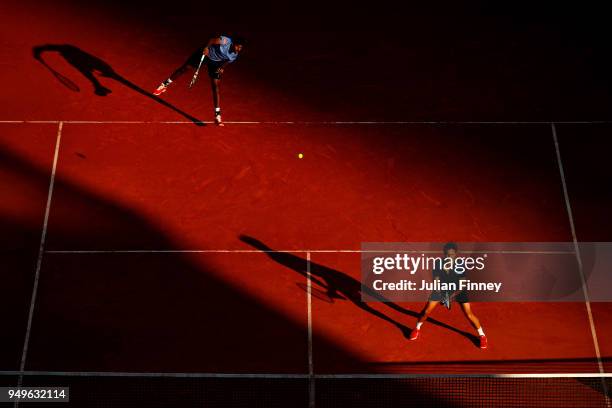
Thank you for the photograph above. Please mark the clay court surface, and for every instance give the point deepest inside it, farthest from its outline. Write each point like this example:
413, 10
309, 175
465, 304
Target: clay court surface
171, 247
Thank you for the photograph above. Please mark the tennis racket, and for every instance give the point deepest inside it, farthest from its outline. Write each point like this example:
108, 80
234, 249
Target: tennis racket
446, 299
197, 72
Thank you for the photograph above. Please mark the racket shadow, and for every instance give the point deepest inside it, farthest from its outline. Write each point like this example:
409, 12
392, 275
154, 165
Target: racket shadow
331, 284
91, 67
63, 79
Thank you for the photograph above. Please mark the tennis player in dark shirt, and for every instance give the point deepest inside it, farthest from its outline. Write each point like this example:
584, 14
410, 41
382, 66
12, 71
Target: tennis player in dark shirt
447, 297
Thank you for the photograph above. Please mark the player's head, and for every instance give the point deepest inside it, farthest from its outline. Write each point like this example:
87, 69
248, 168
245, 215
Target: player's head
450, 249
238, 44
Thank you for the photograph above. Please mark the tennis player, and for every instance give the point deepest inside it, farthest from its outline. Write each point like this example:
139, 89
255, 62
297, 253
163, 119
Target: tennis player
447, 297
218, 52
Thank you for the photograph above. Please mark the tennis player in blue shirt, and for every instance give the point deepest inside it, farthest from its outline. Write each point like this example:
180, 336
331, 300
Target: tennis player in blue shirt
219, 52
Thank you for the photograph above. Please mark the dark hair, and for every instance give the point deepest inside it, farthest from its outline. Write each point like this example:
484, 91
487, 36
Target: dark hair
238, 40
450, 245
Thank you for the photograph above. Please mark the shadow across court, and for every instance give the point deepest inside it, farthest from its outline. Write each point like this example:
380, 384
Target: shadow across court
134, 313
91, 67
338, 285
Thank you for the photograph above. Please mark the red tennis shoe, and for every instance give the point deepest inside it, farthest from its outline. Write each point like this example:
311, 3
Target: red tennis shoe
483, 342
218, 120
160, 89
414, 334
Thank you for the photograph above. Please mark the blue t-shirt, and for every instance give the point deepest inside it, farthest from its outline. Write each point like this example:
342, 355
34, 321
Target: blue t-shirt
221, 52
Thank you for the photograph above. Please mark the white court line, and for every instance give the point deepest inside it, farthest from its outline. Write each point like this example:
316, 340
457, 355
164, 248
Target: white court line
348, 122
248, 251
579, 259
297, 376
311, 379
309, 306
41, 251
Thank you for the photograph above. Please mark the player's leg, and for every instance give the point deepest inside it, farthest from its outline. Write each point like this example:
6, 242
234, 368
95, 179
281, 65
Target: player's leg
163, 87
177, 73
215, 84
429, 307
467, 310
214, 73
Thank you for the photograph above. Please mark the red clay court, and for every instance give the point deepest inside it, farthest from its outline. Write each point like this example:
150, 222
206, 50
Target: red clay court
153, 259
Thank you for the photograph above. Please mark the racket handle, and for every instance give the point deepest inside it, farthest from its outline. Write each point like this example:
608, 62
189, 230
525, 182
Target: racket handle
197, 72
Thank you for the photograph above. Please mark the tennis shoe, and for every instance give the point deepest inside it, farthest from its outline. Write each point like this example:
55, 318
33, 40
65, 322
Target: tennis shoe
483, 342
218, 120
414, 334
160, 89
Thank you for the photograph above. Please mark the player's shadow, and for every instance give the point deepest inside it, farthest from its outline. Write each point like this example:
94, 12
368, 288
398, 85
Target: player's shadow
91, 67
339, 285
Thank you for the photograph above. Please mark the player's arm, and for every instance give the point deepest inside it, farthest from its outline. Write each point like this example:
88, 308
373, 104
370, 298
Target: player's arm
214, 41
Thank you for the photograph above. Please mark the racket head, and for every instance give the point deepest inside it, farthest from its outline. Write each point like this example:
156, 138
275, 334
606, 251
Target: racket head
64, 80
446, 300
